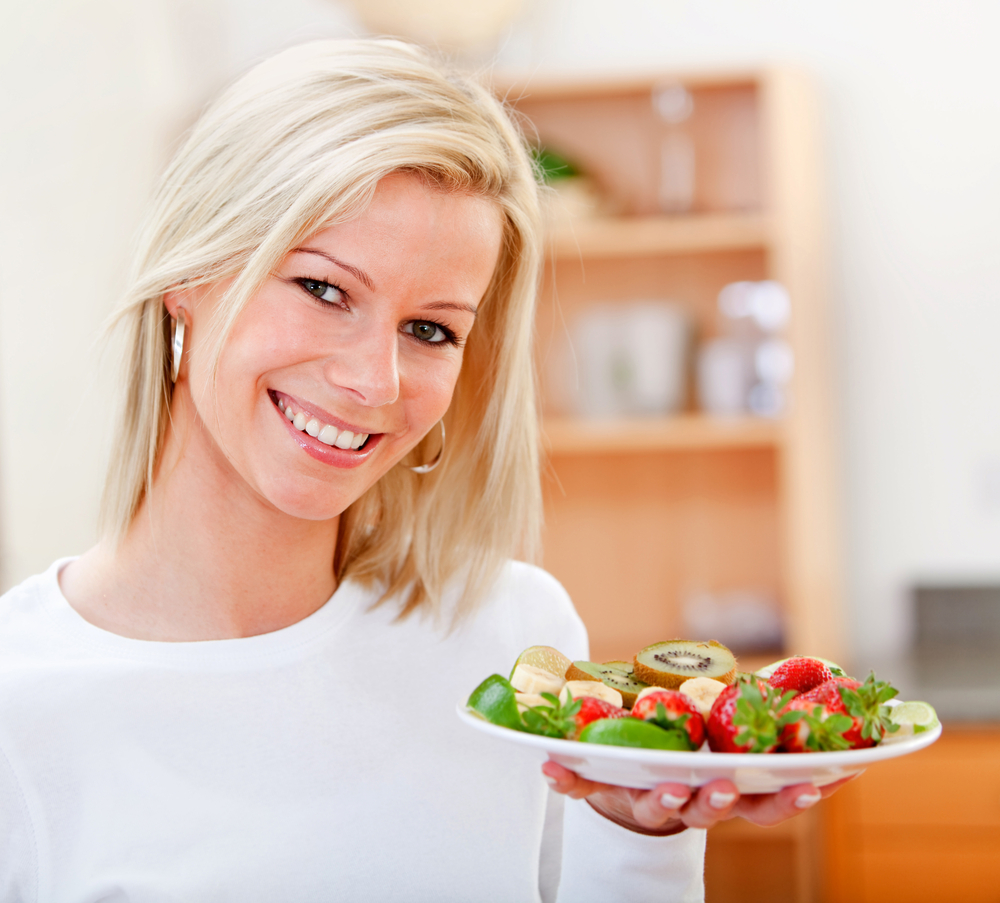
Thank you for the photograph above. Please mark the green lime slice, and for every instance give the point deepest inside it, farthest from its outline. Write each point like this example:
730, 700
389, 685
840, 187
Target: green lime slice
918, 716
544, 657
633, 732
494, 700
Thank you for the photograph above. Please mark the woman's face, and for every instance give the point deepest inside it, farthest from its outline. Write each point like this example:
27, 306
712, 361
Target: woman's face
350, 352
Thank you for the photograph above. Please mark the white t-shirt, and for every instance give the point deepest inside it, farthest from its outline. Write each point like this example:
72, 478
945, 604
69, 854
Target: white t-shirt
322, 762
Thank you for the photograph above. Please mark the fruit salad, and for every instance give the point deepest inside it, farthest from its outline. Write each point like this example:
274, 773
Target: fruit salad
688, 695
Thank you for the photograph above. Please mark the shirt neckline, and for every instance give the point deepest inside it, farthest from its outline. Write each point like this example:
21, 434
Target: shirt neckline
285, 643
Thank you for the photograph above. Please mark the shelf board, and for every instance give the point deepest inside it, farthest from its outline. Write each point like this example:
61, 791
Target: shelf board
515, 87
638, 236
572, 436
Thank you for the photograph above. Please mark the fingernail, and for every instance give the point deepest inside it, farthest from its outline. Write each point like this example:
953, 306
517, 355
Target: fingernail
718, 800
552, 782
807, 800
669, 801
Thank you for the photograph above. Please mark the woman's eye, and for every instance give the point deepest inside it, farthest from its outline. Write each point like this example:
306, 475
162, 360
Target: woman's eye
426, 331
324, 291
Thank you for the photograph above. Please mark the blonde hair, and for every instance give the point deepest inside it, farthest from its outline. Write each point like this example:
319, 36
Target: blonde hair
297, 145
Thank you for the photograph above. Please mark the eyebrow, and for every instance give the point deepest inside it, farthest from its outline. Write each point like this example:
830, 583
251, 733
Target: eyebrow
363, 277
453, 305
360, 275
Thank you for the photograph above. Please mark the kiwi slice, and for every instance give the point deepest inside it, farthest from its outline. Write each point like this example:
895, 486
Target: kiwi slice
617, 675
670, 663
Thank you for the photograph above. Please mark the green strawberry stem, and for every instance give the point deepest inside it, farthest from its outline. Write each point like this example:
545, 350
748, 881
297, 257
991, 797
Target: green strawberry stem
757, 717
868, 702
826, 735
555, 720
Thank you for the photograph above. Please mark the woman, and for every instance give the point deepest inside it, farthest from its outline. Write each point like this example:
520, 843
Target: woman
326, 462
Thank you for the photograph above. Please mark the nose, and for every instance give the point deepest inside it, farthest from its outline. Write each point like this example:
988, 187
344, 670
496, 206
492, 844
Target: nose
367, 366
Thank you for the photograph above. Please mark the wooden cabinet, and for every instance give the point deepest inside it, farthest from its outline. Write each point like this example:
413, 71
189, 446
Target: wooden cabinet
640, 511
920, 829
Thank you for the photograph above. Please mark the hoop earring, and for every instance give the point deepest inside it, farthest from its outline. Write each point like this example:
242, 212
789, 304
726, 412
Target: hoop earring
430, 465
177, 329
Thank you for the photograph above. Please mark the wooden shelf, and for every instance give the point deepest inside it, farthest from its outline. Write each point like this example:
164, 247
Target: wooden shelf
571, 436
638, 236
642, 512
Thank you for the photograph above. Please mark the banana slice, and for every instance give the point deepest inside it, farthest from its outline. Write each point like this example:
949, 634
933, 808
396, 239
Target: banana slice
702, 691
529, 679
593, 688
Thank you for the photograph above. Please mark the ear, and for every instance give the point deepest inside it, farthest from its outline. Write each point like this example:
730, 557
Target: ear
178, 299
185, 299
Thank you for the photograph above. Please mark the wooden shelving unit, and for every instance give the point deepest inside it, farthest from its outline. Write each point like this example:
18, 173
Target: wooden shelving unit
685, 432
641, 512
623, 237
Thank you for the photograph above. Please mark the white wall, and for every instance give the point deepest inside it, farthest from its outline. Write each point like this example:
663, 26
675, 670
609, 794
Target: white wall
912, 139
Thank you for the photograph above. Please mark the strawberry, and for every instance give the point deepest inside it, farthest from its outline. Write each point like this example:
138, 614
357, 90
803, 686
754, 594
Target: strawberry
566, 719
811, 727
673, 711
747, 717
864, 703
800, 674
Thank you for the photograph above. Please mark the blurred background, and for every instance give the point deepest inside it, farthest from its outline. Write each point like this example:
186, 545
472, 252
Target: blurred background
767, 339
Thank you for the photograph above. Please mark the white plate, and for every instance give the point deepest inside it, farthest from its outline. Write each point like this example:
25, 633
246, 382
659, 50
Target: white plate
645, 768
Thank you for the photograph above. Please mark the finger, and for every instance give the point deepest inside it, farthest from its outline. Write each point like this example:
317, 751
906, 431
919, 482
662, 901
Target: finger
714, 802
768, 809
562, 780
656, 807
829, 789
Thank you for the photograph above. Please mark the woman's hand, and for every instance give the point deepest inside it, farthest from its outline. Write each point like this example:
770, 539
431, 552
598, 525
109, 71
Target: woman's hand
670, 808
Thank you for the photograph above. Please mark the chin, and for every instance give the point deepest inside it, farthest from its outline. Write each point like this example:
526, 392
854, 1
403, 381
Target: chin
309, 504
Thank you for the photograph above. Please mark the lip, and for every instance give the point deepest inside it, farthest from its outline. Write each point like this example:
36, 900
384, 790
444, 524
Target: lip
326, 454
312, 411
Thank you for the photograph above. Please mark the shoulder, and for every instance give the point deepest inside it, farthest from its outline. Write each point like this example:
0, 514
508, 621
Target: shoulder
28, 628
541, 611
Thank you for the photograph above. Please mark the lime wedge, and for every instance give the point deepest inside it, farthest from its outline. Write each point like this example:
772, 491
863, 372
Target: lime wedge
913, 718
544, 657
494, 700
633, 732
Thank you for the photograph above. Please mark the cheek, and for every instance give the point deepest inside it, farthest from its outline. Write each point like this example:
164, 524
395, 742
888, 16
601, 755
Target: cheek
429, 388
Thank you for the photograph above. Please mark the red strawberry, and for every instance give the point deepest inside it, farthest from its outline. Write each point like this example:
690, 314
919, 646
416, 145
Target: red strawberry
567, 719
864, 703
800, 674
591, 709
811, 727
673, 711
747, 717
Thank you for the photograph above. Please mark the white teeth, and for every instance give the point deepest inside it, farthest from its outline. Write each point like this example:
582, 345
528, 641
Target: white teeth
328, 435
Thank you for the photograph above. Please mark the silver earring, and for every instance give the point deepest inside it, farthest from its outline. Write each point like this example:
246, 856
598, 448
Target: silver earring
176, 344
430, 465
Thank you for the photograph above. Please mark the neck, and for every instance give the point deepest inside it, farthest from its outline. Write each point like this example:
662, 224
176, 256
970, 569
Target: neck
205, 558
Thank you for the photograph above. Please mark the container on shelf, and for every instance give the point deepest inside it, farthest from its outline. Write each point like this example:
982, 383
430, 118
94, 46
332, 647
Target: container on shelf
747, 368
624, 360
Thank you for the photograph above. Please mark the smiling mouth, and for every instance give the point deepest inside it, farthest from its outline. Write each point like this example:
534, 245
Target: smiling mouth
322, 432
